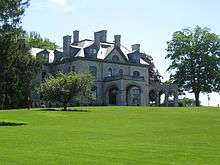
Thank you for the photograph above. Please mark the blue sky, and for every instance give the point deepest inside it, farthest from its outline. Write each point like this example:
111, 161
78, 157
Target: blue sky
150, 23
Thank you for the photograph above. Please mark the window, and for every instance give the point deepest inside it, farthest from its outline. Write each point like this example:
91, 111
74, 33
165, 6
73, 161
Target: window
94, 92
73, 68
115, 58
121, 72
92, 51
110, 72
136, 74
93, 71
135, 92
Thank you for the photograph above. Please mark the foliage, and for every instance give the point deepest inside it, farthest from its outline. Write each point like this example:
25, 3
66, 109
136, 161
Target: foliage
154, 74
112, 136
34, 40
63, 87
195, 56
11, 11
17, 66
186, 102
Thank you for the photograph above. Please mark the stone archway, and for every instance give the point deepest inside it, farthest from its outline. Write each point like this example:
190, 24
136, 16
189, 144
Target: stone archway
162, 98
152, 97
113, 95
133, 95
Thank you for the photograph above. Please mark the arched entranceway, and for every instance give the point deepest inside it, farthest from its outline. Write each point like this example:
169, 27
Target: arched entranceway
152, 97
133, 94
162, 98
112, 95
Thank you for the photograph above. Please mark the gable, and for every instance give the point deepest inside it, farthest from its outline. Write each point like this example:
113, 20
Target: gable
91, 51
116, 55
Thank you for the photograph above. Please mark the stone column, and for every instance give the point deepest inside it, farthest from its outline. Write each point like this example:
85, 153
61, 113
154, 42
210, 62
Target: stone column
122, 97
144, 97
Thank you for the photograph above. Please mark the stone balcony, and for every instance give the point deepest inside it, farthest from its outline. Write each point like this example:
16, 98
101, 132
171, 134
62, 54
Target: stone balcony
123, 77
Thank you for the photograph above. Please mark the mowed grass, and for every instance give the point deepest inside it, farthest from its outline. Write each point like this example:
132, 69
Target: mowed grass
111, 136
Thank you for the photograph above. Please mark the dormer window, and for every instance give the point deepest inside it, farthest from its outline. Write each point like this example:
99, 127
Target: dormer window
92, 51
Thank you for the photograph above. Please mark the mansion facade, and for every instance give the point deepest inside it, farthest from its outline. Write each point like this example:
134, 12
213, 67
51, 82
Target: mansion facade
122, 76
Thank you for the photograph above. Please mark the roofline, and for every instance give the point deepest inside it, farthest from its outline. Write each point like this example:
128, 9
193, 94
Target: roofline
92, 40
97, 60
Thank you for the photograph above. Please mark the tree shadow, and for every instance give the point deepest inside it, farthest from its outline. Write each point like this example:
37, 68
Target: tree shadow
61, 110
6, 124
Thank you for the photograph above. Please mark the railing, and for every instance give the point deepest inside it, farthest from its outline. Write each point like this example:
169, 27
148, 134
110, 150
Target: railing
123, 77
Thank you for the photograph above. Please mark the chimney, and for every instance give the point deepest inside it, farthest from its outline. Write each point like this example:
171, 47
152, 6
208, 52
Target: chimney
101, 36
66, 45
117, 40
97, 39
75, 36
136, 47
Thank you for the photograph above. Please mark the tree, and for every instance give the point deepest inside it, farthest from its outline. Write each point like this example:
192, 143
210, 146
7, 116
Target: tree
195, 57
17, 66
11, 12
34, 39
63, 87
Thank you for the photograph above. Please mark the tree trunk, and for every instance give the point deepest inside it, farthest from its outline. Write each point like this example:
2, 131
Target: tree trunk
29, 96
65, 105
197, 99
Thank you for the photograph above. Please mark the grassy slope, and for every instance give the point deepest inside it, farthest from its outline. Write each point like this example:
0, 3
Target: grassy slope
112, 135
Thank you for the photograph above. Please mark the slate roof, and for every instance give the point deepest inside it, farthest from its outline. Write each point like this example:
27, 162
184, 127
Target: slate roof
105, 49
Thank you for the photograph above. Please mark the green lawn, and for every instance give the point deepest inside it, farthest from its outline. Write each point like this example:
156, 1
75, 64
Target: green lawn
112, 136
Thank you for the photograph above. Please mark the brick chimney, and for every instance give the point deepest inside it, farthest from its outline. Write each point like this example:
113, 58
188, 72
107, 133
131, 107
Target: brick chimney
100, 36
117, 40
136, 47
66, 45
75, 36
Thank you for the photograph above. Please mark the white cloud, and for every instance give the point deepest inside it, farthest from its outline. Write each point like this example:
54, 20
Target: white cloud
63, 5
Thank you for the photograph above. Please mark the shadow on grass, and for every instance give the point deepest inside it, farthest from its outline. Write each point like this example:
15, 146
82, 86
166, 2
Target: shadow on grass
61, 110
6, 124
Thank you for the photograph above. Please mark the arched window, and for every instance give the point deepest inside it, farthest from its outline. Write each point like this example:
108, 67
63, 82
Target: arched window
135, 92
133, 95
115, 58
110, 72
136, 74
94, 92
93, 71
121, 72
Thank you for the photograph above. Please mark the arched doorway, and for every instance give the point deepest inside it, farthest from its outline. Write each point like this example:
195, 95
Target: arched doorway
133, 94
162, 97
152, 97
113, 92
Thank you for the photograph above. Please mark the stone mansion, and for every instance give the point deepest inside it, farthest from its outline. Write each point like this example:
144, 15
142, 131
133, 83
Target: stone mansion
123, 76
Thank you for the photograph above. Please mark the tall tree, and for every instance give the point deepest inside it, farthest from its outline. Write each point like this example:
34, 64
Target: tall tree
11, 12
17, 66
195, 57
63, 87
